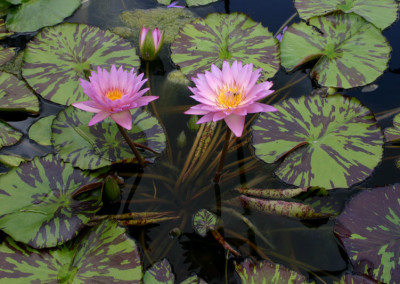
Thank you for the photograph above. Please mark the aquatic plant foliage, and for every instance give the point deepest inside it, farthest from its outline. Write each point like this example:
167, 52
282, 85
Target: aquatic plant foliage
369, 229
93, 147
203, 221
6, 54
222, 37
392, 134
8, 135
103, 254
328, 142
350, 51
381, 13
40, 131
58, 57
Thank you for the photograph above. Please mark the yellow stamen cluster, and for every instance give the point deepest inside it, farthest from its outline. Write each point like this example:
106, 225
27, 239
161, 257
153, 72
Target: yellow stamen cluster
230, 97
114, 94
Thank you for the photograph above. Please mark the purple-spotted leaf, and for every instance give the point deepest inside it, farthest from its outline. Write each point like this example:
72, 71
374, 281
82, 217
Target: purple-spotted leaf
392, 134
37, 203
354, 279
16, 96
369, 229
160, 272
193, 280
3, 29
40, 131
272, 193
6, 54
102, 144
103, 254
8, 135
350, 51
331, 142
381, 13
267, 272
59, 56
203, 221
280, 207
221, 37
30, 16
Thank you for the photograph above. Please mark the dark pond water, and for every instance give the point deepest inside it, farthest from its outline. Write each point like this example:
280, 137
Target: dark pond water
309, 247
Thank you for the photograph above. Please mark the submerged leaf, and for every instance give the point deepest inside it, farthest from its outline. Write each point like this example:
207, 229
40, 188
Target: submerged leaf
222, 37
350, 51
40, 131
331, 142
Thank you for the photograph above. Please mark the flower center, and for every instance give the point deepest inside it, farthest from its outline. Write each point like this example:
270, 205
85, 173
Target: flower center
114, 94
230, 97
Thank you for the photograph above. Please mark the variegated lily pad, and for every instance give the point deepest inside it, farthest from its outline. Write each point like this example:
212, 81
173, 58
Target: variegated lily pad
104, 254
392, 134
40, 131
8, 135
203, 221
194, 3
160, 272
381, 13
350, 51
33, 15
102, 144
222, 37
16, 96
369, 229
267, 272
6, 54
327, 142
37, 203
59, 56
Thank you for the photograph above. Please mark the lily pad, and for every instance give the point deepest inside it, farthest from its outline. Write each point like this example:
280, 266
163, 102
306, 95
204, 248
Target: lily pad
392, 134
381, 13
102, 144
58, 57
369, 229
331, 142
104, 254
12, 160
160, 272
37, 203
354, 279
8, 135
30, 16
194, 3
223, 37
6, 54
203, 221
40, 131
15, 95
267, 272
350, 51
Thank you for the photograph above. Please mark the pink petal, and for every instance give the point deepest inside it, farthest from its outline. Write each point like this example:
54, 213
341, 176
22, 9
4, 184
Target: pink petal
143, 33
145, 100
89, 106
98, 117
208, 117
219, 115
196, 111
259, 107
123, 118
235, 123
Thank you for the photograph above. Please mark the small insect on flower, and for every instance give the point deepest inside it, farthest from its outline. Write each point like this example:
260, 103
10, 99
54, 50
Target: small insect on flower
229, 94
112, 94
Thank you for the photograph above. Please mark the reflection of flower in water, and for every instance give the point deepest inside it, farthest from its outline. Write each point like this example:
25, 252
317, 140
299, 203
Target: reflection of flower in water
229, 94
113, 94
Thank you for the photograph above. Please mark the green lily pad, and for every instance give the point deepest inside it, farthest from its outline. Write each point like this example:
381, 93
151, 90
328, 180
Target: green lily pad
104, 254
15, 95
37, 203
369, 229
381, 13
102, 144
327, 142
160, 272
8, 135
392, 134
203, 221
11, 160
40, 131
222, 37
350, 51
59, 56
30, 16
6, 54
267, 272
354, 279
194, 3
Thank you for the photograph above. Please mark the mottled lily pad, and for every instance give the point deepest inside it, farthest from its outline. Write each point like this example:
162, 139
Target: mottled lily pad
8, 135
354, 279
267, 272
369, 229
327, 142
3, 29
160, 272
40, 131
350, 51
37, 203
104, 254
16, 96
381, 13
6, 54
11, 159
30, 16
59, 56
194, 3
102, 144
392, 134
223, 37
203, 221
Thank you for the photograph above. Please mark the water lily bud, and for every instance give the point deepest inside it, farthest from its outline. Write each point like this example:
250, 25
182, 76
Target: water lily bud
150, 43
111, 191
181, 139
192, 123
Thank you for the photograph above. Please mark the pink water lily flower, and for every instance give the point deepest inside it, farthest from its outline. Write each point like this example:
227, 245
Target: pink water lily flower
229, 94
150, 45
113, 94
